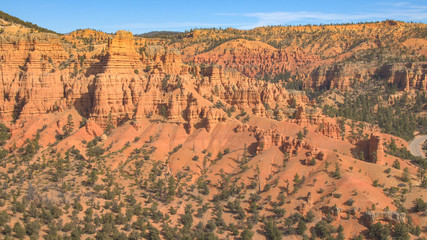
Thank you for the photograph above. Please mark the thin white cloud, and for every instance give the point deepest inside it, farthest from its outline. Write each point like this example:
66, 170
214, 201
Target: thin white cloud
172, 25
406, 5
398, 11
378, 11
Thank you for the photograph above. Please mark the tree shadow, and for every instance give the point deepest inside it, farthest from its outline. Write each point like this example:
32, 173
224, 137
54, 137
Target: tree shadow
360, 151
252, 148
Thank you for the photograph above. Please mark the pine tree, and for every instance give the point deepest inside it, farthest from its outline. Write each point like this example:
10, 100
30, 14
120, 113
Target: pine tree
405, 175
68, 128
337, 173
19, 230
246, 234
110, 125
301, 227
271, 230
300, 135
378, 231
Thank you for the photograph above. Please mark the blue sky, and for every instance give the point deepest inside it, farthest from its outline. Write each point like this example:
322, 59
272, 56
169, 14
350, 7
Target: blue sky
144, 16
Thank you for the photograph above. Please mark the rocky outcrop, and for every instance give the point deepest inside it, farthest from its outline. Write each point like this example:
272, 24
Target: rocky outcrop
39, 76
405, 75
375, 149
254, 58
329, 129
390, 216
339, 76
112, 91
127, 94
272, 137
316, 154
121, 54
213, 117
239, 90
259, 110
342, 75
29, 83
119, 82
157, 59
122, 92
88, 35
321, 56
311, 117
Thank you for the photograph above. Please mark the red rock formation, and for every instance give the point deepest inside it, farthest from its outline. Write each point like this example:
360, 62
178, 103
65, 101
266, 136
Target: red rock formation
112, 94
254, 58
259, 110
339, 76
89, 34
390, 216
272, 137
119, 89
121, 54
329, 129
159, 60
324, 126
317, 154
213, 117
236, 89
30, 84
39, 76
376, 149
406, 75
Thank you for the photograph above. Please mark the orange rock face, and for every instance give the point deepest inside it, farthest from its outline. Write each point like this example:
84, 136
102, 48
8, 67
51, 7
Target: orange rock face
30, 84
323, 126
376, 149
121, 54
119, 83
254, 57
331, 57
174, 117
406, 76
272, 137
339, 76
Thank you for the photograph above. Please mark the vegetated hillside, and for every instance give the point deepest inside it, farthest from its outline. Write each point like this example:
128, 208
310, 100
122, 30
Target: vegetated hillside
328, 56
158, 34
320, 58
381, 40
397, 113
15, 20
115, 137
